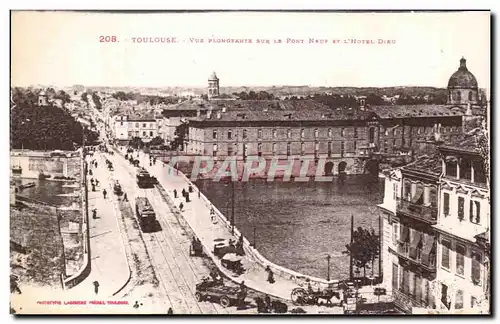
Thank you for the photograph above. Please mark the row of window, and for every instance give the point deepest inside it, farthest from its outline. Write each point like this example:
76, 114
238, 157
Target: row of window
457, 95
474, 208
144, 125
460, 252
395, 131
288, 133
418, 288
144, 133
412, 284
230, 149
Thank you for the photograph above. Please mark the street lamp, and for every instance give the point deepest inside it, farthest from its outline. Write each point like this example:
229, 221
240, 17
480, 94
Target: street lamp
328, 257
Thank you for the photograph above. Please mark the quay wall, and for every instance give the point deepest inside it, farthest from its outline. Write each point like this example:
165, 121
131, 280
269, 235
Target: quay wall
303, 166
30, 164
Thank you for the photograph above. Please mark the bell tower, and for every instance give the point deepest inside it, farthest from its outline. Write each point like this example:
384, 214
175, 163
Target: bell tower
42, 98
213, 86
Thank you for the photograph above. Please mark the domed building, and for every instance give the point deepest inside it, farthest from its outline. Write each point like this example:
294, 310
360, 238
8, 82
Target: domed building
213, 86
462, 86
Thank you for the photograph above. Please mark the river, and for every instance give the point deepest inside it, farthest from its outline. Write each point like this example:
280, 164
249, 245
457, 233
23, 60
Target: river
298, 224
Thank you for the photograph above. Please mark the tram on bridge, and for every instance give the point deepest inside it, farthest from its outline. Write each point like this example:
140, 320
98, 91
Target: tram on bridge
145, 213
145, 180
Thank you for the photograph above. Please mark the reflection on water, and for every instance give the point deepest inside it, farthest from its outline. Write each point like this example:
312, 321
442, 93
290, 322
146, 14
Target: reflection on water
298, 224
55, 193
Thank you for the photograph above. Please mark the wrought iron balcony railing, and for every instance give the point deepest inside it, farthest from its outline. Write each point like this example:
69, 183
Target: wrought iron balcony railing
427, 214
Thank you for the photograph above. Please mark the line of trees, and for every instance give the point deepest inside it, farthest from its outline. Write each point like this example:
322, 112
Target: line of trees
46, 128
252, 95
140, 98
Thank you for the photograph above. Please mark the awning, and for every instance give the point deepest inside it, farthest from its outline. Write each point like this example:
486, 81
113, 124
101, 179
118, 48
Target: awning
429, 243
414, 244
418, 193
405, 233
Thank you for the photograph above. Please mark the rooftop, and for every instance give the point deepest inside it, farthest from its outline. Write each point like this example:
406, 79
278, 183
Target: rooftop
430, 164
414, 111
276, 110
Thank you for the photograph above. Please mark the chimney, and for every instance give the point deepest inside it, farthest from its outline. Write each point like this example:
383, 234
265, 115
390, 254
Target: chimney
198, 113
219, 115
223, 109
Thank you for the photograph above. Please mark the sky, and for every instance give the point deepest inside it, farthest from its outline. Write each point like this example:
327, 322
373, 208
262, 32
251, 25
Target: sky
63, 49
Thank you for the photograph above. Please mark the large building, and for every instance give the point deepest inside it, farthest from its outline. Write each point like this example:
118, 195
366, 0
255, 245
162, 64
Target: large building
348, 137
434, 256
463, 228
142, 125
436, 226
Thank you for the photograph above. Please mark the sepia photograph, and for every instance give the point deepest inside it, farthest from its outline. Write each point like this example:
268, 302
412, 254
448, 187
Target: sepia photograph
250, 163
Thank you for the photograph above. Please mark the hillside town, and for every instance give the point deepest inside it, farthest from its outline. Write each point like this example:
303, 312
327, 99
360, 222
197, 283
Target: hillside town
155, 199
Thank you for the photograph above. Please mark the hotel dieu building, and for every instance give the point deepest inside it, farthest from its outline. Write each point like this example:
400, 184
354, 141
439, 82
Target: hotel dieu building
349, 138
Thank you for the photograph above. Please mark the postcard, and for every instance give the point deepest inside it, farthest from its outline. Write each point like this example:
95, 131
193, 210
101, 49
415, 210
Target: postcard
250, 162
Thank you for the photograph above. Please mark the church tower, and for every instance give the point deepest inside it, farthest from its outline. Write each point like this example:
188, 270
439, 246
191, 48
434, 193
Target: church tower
42, 98
462, 87
213, 86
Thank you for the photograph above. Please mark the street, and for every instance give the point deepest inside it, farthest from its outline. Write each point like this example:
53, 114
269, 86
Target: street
177, 272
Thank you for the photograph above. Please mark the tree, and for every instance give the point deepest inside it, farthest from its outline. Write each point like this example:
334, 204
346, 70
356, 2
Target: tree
136, 142
157, 141
361, 248
181, 133
46, 128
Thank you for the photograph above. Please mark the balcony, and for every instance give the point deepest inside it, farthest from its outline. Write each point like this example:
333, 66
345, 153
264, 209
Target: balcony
403, 251
423, 213
406, 302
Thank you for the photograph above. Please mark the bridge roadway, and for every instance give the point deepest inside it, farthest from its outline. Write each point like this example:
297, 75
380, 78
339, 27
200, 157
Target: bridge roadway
177, 272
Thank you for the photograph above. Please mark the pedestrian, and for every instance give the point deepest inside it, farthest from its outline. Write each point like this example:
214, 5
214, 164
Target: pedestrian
181, 206
96, 287
183, 192
267, 301
125, 197
270, 275
104, 193
90, 171
136, 305
170, 311
242, 293
94, 213
92, 181
190, 188
187, 197
175, 193
96, 182
199, 194
93, 187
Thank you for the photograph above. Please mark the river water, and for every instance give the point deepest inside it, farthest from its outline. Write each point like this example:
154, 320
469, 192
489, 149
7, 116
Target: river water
298, 224
56, 193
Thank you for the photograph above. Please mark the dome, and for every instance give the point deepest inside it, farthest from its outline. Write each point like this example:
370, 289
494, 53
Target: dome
213, 76
462, 78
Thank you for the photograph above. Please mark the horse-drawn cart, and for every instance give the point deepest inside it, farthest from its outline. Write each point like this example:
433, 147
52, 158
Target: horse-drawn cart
301, 296
215, 291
